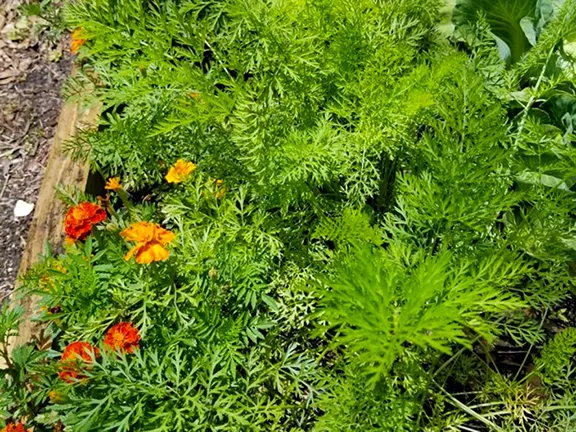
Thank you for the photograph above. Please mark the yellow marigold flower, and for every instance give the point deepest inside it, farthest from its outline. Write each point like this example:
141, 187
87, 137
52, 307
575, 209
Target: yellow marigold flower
113, 184
150, 240
180, 171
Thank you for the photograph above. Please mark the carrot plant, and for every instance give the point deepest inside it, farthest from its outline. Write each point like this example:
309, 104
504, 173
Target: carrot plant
319, 216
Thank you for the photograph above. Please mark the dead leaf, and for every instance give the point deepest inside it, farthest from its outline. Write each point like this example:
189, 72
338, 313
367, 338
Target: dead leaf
8, 76
23, 23
55, 55
25, 64
8, 73
7, 80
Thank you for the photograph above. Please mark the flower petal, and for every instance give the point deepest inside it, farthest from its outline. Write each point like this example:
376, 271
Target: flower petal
152, 252
132, 251
180, 171
163, 236
113, 184
139, 232
172, 176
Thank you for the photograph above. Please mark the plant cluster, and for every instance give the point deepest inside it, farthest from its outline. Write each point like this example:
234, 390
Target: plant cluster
320, 215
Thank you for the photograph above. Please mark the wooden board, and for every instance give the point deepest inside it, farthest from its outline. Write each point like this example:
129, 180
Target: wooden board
47, 223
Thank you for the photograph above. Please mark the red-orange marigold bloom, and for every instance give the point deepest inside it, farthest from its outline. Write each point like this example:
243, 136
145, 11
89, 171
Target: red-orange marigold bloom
150, 240
122, 337
80, 218
77, 40
72, 358
14, 427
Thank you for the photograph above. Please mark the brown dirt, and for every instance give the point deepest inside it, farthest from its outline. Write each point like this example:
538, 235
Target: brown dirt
34, 63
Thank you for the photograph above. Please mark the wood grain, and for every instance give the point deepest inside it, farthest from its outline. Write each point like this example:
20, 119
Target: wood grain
47, 223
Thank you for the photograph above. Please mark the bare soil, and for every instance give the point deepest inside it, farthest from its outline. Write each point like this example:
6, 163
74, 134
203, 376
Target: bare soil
34, 63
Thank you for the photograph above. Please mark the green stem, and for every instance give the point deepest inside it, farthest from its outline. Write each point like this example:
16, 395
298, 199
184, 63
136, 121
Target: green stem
532, 99
125, 199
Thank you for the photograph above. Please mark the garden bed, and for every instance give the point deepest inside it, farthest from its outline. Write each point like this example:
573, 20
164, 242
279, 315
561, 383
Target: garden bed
305, 216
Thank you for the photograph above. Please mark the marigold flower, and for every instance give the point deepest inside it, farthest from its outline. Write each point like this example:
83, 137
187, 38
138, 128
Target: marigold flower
14, 427
79, 220
113, 184
51, 310
53, 395
150, 240
46, 281
59, 267
77, 40
72, 357
57, 397
122, 337
180, 171
220, 189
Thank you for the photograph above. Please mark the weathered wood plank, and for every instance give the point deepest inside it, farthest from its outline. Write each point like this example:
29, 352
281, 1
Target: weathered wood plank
47, 223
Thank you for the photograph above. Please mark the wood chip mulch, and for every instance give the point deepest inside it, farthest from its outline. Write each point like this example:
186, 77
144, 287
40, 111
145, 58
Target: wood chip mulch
34, 63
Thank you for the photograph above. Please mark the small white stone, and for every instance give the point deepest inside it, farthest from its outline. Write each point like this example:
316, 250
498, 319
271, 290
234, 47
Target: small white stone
22, 209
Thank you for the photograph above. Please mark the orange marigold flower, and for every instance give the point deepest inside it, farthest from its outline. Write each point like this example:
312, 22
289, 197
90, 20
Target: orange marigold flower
77, 40
72, 358
180, 171
14, 427
150, 240
113, 184
122, 337
80, 218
